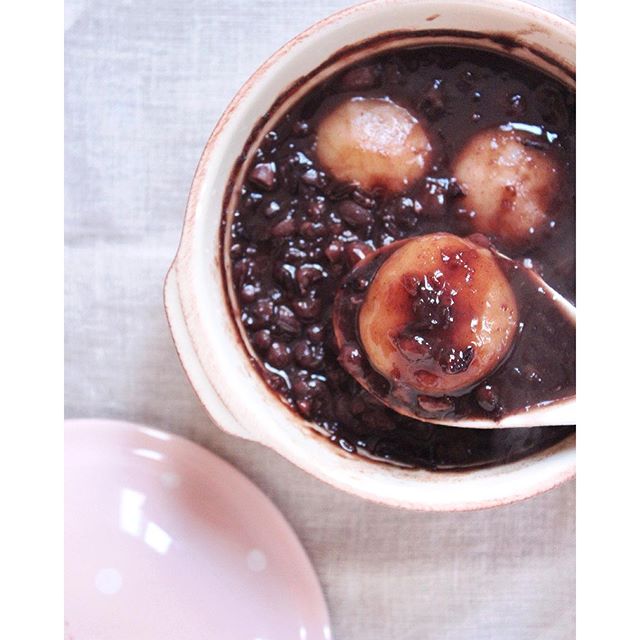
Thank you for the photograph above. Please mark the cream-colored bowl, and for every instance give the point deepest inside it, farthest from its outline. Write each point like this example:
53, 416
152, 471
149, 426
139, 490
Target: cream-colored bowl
199, 309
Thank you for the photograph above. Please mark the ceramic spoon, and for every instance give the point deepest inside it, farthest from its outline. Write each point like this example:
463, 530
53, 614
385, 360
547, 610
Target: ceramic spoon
424, 321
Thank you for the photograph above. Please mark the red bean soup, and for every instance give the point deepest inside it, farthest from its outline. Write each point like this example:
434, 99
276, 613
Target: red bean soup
368, 245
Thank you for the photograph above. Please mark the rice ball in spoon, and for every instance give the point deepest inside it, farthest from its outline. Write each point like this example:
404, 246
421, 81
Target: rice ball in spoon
439, 315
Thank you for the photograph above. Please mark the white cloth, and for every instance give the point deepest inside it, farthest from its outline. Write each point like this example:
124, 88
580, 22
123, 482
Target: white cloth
145, 83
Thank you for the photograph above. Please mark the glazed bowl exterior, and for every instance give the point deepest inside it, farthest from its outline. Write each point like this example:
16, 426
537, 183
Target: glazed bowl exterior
199, 304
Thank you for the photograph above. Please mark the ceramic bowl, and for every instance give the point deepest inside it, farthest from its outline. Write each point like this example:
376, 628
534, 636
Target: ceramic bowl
198, 304
164, 540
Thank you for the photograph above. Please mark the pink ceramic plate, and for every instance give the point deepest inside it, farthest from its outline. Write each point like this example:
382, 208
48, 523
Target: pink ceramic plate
165, 540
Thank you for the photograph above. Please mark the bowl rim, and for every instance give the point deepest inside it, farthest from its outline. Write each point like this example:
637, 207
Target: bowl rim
175, 307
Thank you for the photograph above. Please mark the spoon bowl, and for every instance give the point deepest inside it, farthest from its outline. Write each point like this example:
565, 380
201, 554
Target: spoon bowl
428, 337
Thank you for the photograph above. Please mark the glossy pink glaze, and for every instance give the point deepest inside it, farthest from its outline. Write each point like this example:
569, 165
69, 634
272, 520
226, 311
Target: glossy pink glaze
165, 540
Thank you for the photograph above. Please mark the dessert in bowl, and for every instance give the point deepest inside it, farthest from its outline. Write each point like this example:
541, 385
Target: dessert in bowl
376, 137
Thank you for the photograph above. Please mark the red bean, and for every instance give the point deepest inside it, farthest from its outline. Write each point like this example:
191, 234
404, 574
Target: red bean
263, 175
279, 355
334, 251
262, 340
356, 251
286, 320
354, 214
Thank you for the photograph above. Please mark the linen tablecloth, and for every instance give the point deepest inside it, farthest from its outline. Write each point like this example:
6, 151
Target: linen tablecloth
145, 82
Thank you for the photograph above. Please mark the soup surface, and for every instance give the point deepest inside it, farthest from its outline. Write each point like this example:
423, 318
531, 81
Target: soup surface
410, 142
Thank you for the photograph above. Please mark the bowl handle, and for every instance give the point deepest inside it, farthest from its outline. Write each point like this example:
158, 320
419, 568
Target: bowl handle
191, 363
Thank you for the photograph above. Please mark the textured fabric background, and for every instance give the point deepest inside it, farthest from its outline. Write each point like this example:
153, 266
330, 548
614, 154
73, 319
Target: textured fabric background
145, 82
